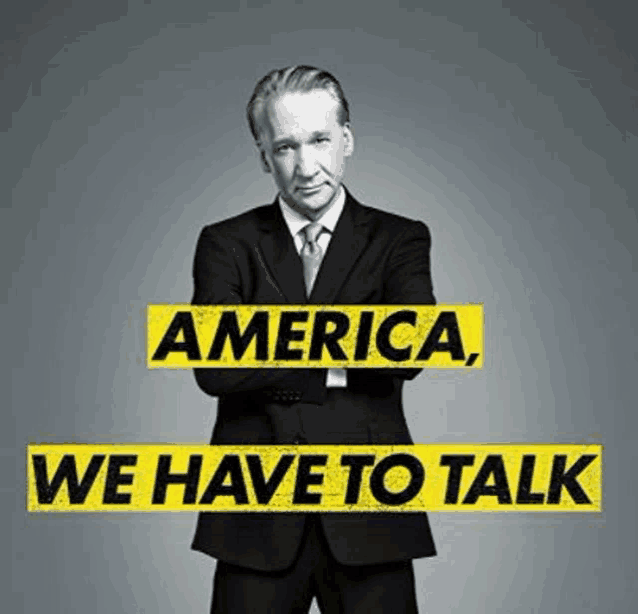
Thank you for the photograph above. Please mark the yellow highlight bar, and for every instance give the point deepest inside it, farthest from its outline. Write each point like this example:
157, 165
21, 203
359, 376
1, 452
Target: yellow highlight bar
310, 478
327, 336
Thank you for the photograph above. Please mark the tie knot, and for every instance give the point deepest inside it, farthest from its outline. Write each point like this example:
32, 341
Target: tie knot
312, 231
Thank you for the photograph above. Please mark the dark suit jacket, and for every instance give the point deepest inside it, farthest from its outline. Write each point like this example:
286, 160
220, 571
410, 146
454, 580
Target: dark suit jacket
374, 257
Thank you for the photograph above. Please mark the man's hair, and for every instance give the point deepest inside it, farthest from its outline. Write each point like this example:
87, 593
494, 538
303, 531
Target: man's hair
293, 79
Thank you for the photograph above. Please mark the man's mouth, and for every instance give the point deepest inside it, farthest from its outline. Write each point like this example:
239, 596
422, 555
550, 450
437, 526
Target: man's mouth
309, 189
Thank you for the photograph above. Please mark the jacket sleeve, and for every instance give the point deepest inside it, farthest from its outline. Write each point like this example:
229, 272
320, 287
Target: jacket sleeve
407, 281
217, 281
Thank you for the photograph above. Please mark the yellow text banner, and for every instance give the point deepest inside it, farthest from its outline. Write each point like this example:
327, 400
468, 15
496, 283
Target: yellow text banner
326, 336
336, 478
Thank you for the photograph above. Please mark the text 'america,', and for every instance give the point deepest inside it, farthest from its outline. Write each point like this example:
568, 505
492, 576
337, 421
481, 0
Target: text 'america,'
327, 336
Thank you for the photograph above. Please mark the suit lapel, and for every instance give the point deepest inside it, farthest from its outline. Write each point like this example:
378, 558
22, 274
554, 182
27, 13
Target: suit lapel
350, 237
278, 254
282, 263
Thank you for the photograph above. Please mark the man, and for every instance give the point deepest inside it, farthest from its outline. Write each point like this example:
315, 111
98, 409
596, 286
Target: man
314, 244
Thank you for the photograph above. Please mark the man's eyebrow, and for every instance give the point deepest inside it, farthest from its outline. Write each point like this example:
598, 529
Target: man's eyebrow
291, 141
283, 141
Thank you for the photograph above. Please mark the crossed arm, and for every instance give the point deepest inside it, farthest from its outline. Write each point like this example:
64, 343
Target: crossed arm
407, 281
217, 281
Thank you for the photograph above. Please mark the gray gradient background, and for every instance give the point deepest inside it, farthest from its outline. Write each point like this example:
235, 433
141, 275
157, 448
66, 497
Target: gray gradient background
512, 131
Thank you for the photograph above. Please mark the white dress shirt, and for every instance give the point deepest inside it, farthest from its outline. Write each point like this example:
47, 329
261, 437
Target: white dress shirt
336, 378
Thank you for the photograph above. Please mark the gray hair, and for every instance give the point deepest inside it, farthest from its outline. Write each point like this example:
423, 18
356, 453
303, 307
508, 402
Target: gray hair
293, 79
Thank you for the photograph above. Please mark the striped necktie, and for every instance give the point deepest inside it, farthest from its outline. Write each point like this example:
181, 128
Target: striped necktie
311, 254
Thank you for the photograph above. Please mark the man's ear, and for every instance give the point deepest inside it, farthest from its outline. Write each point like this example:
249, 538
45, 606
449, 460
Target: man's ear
348, 135
264, 162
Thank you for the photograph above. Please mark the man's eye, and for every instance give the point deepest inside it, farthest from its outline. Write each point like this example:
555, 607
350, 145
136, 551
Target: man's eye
282, 149
323, 139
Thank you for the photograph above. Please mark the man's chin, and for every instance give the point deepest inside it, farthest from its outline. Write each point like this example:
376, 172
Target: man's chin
308, 207
310, 204
316, 200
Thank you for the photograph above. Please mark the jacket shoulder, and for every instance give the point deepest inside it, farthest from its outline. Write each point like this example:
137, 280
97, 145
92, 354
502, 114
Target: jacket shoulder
388, 223
242, 224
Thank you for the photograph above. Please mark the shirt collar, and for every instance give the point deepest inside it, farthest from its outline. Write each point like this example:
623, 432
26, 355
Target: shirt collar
296, 222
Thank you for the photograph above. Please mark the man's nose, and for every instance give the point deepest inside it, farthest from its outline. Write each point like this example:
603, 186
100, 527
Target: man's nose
306, 165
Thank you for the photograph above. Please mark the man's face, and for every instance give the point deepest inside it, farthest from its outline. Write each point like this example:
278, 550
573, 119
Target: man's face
304, 147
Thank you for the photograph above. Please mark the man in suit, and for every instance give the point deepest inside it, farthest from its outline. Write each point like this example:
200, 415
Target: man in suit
314, 244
